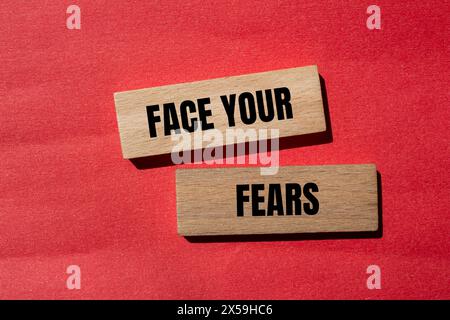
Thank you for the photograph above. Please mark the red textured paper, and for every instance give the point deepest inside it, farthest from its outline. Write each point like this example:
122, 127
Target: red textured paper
67, 196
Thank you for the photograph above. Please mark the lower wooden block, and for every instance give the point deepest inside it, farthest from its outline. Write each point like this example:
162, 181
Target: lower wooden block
307, 199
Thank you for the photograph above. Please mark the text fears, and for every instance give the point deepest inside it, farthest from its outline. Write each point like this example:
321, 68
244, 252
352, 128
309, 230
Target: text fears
280, 199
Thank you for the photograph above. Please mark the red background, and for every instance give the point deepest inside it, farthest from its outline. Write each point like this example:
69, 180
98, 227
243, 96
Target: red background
67, 196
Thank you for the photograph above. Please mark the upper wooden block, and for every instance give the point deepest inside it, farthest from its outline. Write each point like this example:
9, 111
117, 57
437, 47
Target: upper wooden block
140, 110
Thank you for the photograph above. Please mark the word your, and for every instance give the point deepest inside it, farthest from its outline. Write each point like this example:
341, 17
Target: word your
274, 202
208, 148
249, 105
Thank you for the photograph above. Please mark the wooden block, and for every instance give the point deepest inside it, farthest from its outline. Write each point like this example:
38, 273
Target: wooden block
220, 201
145, 116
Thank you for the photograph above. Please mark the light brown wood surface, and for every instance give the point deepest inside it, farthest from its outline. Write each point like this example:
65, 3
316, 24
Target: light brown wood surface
303, 84
207, 201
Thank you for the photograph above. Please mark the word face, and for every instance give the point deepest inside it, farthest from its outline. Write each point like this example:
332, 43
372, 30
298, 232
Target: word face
282, 203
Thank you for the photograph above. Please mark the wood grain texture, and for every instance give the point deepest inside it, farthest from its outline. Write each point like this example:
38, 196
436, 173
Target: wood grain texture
207, 200
306, 100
